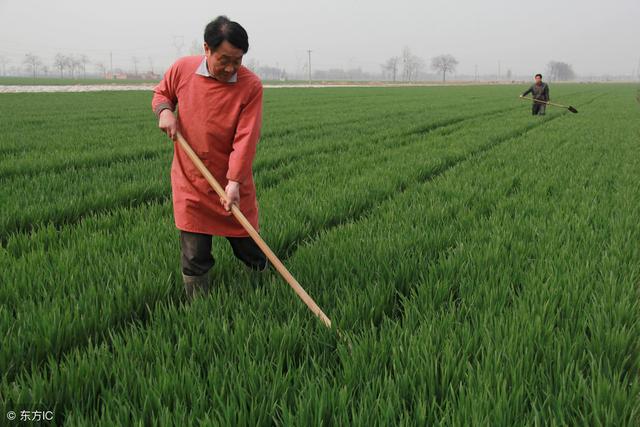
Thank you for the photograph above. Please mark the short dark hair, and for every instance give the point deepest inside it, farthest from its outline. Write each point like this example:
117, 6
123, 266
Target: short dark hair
223, 29
539, 75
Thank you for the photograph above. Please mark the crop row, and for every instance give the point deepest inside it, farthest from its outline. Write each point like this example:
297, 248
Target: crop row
293, 212
66, 193
500, 289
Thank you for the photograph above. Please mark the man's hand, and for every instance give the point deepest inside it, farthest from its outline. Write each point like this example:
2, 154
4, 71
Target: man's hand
168, 123
233, 195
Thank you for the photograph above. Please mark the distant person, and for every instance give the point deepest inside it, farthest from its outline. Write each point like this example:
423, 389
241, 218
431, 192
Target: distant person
219, 105
540, 91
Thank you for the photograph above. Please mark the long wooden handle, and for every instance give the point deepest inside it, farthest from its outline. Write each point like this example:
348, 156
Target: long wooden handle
544, 102
288, 277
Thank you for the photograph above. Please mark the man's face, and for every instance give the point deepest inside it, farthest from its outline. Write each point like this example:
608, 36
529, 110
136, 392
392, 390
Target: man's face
224, 62
538, 80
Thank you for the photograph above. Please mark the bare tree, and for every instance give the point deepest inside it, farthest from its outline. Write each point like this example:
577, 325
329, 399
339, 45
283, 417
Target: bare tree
3, 62
60, 62
83, 60
411, 65
557, 70
77, 65
444, 64
271, 73
418, 67
267, 72
390, 67
407, 65
71, 64
102, 69
552, 71
135, 61
32, 62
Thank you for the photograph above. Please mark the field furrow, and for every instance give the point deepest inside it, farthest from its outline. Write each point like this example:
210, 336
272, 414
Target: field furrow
482, 263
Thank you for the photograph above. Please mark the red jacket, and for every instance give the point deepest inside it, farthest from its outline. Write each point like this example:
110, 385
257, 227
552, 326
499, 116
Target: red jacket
221, 122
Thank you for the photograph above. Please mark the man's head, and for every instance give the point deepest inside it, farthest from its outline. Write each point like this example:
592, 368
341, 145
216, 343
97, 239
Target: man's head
225, 43
538, 78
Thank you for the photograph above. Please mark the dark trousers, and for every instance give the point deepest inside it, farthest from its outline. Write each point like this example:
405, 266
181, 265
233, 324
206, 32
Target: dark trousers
538, 109
197, 259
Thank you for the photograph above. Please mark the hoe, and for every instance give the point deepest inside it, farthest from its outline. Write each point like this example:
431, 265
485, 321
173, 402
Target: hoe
568, 107
279, 266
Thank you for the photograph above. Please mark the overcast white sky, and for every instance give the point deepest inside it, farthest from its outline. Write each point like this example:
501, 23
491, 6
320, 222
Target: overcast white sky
595, 36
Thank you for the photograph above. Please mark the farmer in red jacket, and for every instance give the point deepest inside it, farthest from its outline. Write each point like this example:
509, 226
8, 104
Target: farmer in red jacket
220, 113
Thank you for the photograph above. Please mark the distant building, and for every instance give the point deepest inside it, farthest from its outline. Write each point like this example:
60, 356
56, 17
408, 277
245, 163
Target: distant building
151, 76
118, 75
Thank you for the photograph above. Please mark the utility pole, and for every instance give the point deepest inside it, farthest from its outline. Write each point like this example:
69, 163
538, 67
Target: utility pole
111, 63
498, 70
476, 73
309, 65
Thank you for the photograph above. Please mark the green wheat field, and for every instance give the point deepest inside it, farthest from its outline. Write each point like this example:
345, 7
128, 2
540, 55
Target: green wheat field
482, 264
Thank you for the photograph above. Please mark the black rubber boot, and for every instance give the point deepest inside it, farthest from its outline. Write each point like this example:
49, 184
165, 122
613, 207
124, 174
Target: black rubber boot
195, 286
